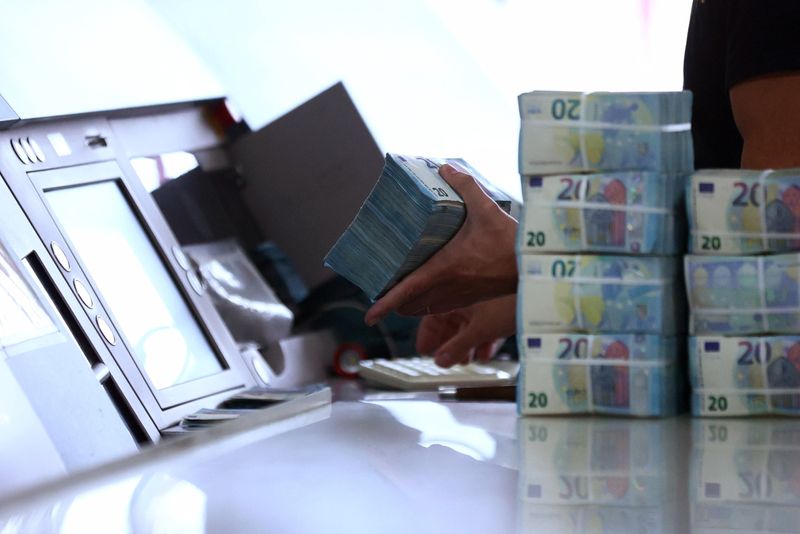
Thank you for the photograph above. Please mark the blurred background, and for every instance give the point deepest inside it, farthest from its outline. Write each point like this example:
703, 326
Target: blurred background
430, 77
433, 77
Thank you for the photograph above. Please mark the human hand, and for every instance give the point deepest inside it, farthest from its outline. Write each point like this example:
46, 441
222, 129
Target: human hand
471, 333
478, 263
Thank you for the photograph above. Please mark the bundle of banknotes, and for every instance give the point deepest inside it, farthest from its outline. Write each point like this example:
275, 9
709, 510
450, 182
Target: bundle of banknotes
566, 132
604, 174
409, 215
587, 293
622, 374
733, 211
631, 212
736, 295
744, 475
745, 375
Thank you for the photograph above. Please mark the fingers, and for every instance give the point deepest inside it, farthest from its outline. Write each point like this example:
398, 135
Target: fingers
457, 349
432, 332
405, 290
484, 351
465, 185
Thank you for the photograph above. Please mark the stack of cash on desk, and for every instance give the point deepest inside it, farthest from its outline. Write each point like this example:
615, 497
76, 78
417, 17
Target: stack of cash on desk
409, 215
743, 282
600, 297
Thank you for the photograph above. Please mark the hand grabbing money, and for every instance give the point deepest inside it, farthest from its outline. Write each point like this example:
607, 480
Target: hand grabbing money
478, 263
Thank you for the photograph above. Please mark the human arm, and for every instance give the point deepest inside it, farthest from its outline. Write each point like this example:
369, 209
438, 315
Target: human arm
467, 334
767, 113
478, 263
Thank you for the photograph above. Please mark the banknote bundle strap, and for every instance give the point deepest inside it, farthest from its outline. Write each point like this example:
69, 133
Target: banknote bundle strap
762, 295
588, 204
591, 362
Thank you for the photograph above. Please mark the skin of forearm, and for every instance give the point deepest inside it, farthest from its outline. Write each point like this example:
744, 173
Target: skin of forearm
767, 113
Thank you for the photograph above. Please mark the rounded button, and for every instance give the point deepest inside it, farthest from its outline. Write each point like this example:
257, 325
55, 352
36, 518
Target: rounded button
105, 330
83, 293
37, 150
20, 152
181, 258
195, 282
60, 256
26, 146
262, 369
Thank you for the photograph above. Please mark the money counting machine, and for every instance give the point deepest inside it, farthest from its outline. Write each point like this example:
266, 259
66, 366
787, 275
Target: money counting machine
107, 331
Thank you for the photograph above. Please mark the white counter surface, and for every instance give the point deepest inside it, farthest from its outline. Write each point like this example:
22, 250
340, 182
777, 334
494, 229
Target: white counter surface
389, 463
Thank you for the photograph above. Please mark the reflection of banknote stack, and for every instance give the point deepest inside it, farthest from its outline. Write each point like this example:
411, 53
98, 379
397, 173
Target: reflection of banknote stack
745, 476
599, 475
624, 222
735, 214
410, 213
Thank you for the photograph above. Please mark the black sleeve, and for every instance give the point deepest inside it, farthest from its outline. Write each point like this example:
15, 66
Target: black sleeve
763, 38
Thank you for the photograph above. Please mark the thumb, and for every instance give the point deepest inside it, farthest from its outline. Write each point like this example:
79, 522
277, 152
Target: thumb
467, 187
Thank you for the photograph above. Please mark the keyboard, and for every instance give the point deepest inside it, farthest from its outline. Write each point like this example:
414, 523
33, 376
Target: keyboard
421, 373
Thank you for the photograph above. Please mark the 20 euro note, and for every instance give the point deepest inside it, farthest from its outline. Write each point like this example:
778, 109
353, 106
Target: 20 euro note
621, 212
623, 374
747, 375
587, 293
737, 295
734, 211
566, 132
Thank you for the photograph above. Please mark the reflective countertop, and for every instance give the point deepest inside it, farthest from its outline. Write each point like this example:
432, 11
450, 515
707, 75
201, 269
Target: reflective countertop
409, 463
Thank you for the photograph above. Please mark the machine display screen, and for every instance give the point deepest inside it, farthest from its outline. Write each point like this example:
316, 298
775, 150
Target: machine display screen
163, 333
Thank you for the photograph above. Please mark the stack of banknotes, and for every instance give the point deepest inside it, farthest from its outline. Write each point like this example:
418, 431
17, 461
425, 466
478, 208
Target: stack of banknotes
569, 132
619, 374
743, 285
740, 212
631, 212
745, 375
744, 475
611, 474
409, 215
602, 228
